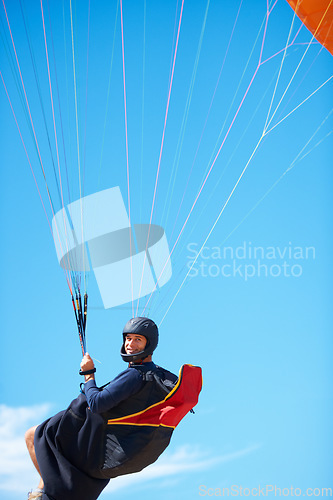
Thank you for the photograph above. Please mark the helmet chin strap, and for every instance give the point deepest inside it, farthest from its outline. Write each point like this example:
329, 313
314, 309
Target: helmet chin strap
139, 360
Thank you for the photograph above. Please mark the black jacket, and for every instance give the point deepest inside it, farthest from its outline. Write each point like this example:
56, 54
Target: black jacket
79, 451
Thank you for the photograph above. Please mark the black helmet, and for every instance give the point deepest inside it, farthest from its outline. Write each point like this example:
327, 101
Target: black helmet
140, 326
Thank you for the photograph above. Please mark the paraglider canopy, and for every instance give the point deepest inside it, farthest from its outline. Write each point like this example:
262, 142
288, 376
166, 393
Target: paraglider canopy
317, 15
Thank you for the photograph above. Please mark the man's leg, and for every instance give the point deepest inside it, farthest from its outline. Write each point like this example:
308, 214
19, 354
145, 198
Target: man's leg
29, 439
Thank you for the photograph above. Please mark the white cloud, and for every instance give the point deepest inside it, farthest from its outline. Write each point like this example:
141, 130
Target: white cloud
16, 470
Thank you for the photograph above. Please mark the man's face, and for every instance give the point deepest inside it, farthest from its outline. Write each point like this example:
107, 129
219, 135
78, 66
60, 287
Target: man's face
134, 343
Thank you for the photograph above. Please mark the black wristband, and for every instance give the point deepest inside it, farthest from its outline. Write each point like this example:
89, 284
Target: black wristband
87, 372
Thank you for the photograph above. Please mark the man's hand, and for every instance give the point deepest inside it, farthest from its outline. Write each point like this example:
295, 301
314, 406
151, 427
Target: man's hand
87, 364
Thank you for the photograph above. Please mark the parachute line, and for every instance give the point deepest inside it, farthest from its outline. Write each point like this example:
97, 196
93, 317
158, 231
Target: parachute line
126, 144
108, 94
86, 101
215, 159
299, 105
181, 136
54, 123
40, 97
296, 160
32, 170
32, 125
227, 135
143, 103
213, 227
77, 133
28, 107
217, 184
267, 124
206, 120
161, 148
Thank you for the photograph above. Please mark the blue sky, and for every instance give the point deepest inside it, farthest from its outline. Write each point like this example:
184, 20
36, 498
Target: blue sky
254, 311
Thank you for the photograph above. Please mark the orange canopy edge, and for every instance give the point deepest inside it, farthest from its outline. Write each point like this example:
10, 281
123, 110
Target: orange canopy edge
317, 15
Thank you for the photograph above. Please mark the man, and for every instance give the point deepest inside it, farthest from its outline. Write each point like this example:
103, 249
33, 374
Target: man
78, 450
